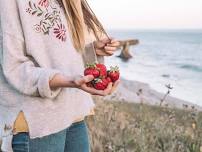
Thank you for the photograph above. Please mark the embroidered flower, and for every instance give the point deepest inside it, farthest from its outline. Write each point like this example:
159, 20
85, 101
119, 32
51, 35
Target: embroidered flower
37, 28
50, 18
44, 3
60, 32
33, 9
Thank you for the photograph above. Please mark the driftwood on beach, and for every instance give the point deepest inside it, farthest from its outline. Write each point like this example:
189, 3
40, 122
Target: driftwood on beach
125, 46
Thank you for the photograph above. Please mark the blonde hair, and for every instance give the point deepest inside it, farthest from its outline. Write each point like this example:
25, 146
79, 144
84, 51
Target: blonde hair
81, 20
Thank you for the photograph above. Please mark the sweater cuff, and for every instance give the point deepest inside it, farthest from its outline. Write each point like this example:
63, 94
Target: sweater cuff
43, 84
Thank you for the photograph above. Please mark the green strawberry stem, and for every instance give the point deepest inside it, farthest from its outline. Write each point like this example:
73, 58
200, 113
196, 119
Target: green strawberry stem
90, 65
114, 69
97, 80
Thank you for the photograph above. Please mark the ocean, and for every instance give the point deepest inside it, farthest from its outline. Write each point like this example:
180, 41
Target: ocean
164, 57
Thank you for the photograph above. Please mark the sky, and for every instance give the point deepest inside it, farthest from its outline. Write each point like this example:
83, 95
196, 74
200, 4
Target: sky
149, 14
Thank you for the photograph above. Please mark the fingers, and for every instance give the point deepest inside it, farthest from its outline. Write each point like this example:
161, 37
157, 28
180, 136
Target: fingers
107, 44
115, 86
106, 40
109, 53
83, 79
101, 43
107, 91
110, 42
88, 78
103, 53
112, 47
92, 91
115, 43
108, 48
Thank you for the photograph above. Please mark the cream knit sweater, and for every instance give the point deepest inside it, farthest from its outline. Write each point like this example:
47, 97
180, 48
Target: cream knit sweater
35, 45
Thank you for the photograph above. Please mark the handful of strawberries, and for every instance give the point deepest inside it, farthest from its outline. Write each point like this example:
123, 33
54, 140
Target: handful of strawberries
102, 76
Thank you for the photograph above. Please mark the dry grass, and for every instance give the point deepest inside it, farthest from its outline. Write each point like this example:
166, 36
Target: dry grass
129, 127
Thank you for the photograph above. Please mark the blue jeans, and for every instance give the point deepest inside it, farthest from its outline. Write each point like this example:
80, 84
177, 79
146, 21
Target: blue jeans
73, 139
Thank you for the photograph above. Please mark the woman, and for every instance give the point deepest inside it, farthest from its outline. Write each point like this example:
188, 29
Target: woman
43, 95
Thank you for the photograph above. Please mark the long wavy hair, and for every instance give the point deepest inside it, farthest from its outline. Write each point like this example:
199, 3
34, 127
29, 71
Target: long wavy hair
81, 20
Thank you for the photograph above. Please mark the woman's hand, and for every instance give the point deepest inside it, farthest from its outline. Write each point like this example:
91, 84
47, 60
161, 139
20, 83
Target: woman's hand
106, 47
81, 83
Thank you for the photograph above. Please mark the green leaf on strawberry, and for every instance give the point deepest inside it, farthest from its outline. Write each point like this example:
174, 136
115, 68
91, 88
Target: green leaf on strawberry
114, 73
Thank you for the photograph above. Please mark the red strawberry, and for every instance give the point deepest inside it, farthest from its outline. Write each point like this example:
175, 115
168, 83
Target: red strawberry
105, 82
100, 84
91, 69
103, 70
109, 79
114, 73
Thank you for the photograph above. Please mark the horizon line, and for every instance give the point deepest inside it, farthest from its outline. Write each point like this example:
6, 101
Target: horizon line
154, 28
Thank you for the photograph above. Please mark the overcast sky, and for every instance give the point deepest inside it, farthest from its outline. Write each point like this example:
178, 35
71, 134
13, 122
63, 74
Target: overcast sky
149, 13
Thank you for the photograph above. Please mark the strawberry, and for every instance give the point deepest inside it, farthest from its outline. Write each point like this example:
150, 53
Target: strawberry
103, 70
105, 82
113, 73
102, 77
100, 84
91, 69
109, 79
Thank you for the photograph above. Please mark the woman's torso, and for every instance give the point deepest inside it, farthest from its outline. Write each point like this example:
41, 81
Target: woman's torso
48, 45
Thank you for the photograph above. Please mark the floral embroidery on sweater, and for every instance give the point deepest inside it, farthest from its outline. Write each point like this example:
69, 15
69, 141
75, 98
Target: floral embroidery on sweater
50, 20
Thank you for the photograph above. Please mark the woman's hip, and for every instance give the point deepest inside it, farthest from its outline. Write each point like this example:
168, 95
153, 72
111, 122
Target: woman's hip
74, 138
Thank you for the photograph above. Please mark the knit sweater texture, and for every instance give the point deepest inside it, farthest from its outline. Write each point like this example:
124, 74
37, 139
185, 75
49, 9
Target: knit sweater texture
35, 44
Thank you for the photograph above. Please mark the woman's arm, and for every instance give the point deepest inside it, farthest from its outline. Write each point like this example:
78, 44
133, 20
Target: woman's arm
29, 79
59, 80
21, 72
80, 83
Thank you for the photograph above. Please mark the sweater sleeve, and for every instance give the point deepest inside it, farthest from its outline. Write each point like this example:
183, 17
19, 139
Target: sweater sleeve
19, 69
22, 72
